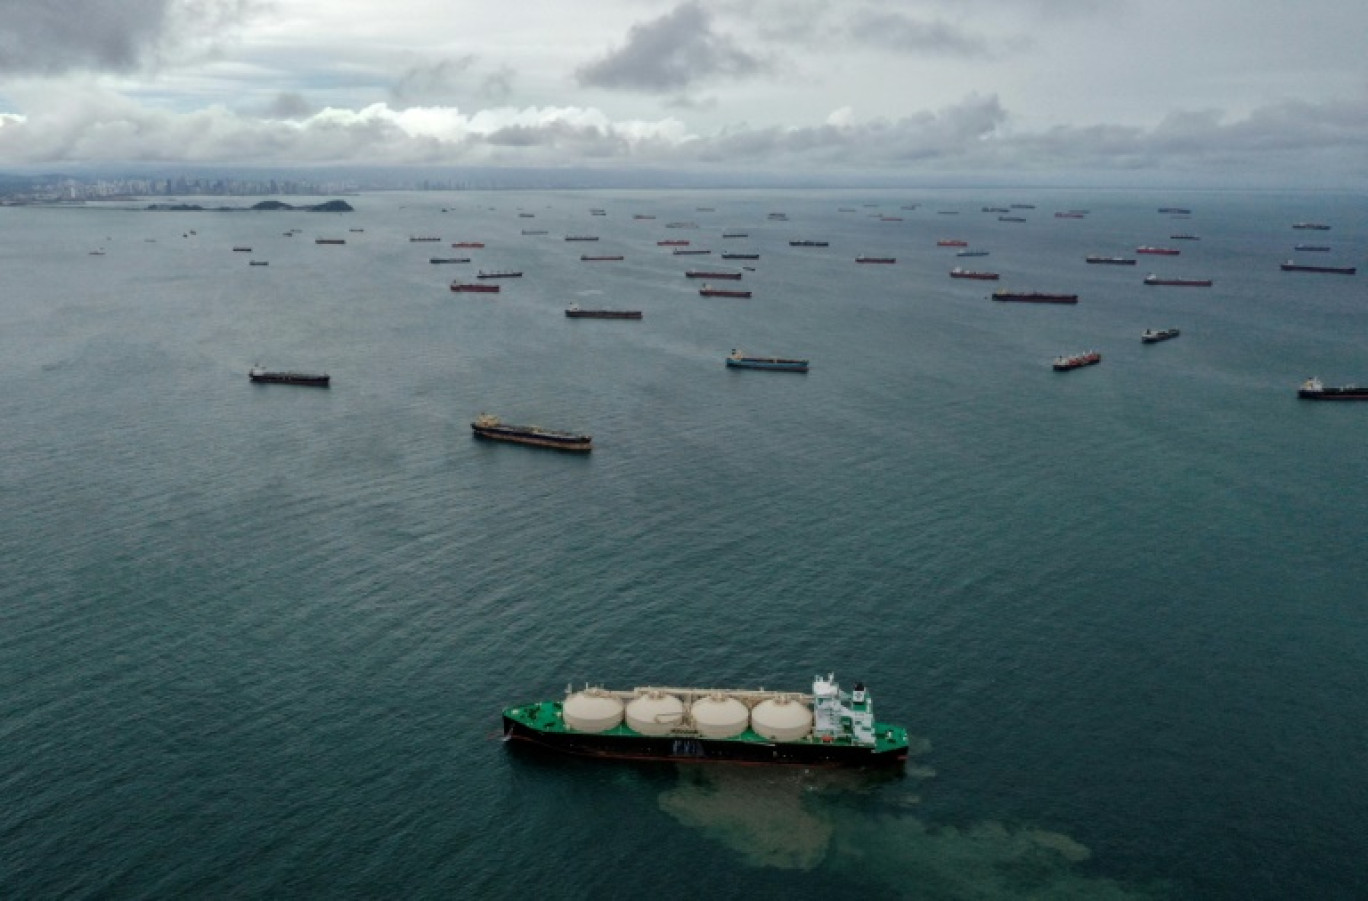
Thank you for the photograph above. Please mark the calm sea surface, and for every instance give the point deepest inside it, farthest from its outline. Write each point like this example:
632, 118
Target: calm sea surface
254, 640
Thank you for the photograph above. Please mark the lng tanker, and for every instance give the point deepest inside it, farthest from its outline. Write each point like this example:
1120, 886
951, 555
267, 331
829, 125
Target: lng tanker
828, 727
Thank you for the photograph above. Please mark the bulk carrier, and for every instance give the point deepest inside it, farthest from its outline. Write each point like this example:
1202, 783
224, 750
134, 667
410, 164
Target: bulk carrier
828, 727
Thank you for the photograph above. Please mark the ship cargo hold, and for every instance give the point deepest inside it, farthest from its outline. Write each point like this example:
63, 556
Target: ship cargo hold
494, 429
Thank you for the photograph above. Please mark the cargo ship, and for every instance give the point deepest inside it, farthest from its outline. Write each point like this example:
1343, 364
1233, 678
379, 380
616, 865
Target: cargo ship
474, 288
827, 728
423, 238
1181, 211
283, 377
1111, 261
710, 291
1184, 237
574, 312
492, 428
705, 273
957, 272
737, 360
586, 258
972, 253
1153, 279
330, 240
581, 237
740, 256
736, 234
1311, 226
865, 259
1077, 361
1314, 389
685, 252
499, 273
449, 260
1154, 336
1290, 266
676, 243
475, 244
952, 242
1312, 248
809, 244
1034, 297
1158, 251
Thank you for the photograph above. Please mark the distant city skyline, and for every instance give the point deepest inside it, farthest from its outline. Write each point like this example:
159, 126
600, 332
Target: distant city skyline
1036, 91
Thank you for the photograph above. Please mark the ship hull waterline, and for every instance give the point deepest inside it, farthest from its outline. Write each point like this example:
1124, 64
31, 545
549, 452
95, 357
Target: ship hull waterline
693, 749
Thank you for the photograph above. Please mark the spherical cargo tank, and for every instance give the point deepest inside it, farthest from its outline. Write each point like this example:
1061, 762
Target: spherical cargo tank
781, 719
719, 716
591, 710
654, 713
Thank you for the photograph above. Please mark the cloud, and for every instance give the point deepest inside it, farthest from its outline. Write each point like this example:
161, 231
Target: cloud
904, 34
670, 53
433, 82
86, 124
48, 37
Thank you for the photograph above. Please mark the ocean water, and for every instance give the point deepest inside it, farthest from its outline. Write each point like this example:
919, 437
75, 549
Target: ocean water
254, 640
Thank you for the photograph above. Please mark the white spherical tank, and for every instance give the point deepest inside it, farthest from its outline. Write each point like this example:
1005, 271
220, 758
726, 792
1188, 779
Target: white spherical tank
719, 716
591, 710
654, 713
781, 719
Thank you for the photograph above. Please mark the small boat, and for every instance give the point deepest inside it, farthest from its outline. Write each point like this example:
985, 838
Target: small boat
957, 272
710, 291
574, 312
952, 242
1153, 279
699, 273
285, 377
777, 217
97, 253
475, 244
865, 259
474, 288
1112, 261
527, 215
499, 273
1314, 389
493, 429
740, 256
449, 260
780, 364
1158, 251
1075, 361
1154, 336
586, 258
1311, 226
808, 243
1034, 297
1290, 266
598, 212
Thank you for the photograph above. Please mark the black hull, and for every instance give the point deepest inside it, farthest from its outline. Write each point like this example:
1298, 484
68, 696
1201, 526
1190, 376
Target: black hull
702, 750
1332, 394
311, 381
577, 444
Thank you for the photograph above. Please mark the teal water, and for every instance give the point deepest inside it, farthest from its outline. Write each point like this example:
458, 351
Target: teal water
254, 640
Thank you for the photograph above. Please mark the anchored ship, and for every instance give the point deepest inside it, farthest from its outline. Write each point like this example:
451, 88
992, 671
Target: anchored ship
1112, 261
738, 361
1158, 251
828, 727
1152, 279
710, 291
1314, 389
1035, 297
475, 287
957, 272
574, 312
707, 273
865, 259
1291, 266
492, 428
1154, 336
1075, 361
285, 377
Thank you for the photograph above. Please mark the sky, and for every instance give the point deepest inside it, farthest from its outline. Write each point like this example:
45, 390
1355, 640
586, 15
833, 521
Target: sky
1270, 94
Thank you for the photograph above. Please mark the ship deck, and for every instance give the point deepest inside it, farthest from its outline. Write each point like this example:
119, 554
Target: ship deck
546, 717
